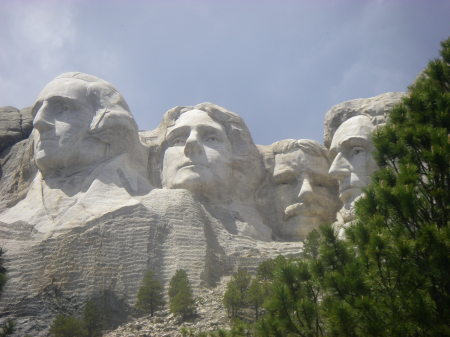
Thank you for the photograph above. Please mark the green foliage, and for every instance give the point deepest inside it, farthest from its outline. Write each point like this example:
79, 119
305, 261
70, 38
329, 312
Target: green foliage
105, 311
2, 272
391, 275
150, 295
255, 295
93, 319
7, 328
235, 297
293, 305
180, 295
402, 233
67, 326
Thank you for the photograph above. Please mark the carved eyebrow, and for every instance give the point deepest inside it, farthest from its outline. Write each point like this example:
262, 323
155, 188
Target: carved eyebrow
354, 141
211, 129
176, 131
37, 105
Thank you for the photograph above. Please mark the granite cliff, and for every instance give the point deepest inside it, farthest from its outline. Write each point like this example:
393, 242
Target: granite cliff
88, 204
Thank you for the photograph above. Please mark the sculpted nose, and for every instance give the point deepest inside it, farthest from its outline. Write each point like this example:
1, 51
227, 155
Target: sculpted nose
192, 146
340, 167
306, 191
41, 121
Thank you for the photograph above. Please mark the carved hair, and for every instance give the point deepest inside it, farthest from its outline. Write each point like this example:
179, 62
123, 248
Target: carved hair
375, 108
246, 159
308, 146
112, 122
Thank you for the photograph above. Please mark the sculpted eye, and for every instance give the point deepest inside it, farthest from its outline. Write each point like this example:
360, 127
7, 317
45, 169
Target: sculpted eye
61, 108
357, 150
211, 139
177, 141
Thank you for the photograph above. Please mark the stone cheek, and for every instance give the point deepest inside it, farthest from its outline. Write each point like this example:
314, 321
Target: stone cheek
353, 162
88, 219
306, 197
347, 134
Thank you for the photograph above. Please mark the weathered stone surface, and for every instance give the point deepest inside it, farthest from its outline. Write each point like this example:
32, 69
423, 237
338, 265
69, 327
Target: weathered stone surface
348, 130
304, 193
169, 230
15, 125
89, 219
209, 151
377, 108
88, 204
17, 169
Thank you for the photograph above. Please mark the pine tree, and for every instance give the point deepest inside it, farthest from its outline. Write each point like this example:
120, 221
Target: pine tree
235, 297
2, 272
7, 328
150, 295
391, 275
67, 326
293, 303
93, 319
403, 232
180, 295
255, 295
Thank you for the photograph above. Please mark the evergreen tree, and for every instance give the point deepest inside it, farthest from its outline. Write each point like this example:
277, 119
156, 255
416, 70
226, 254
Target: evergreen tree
7, 328
180, 295
93, 319
150, 295
67, 326
403, 233
391, 275
2, 272
104, 311
293, 304
255, 295
235, 297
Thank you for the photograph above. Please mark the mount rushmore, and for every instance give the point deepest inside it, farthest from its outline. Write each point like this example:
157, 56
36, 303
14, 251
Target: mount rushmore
88, 203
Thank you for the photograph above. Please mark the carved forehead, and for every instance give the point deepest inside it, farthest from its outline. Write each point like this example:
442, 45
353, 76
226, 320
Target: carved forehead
65, 87
192, 118
300, 160
359, 127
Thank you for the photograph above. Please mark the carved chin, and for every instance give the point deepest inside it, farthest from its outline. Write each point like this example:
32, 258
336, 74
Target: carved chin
298, 227
349, 195
187, 180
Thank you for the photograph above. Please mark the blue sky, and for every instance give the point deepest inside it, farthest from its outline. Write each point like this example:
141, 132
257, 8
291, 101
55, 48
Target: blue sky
279, 64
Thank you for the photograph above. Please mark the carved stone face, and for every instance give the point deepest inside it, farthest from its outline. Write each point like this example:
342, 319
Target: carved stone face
198, 155
305, 193
353, 162
62, 120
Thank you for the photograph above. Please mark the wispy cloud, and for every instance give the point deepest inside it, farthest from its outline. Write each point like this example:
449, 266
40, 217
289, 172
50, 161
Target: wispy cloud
37, 39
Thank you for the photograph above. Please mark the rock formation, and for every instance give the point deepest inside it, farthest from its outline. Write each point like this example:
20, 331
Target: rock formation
88, 204
305, 195
347, 134
15, 125
16, 155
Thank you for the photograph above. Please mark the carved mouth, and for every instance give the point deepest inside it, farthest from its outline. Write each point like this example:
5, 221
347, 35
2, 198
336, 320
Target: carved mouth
293, 210
299, 209
189, 165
